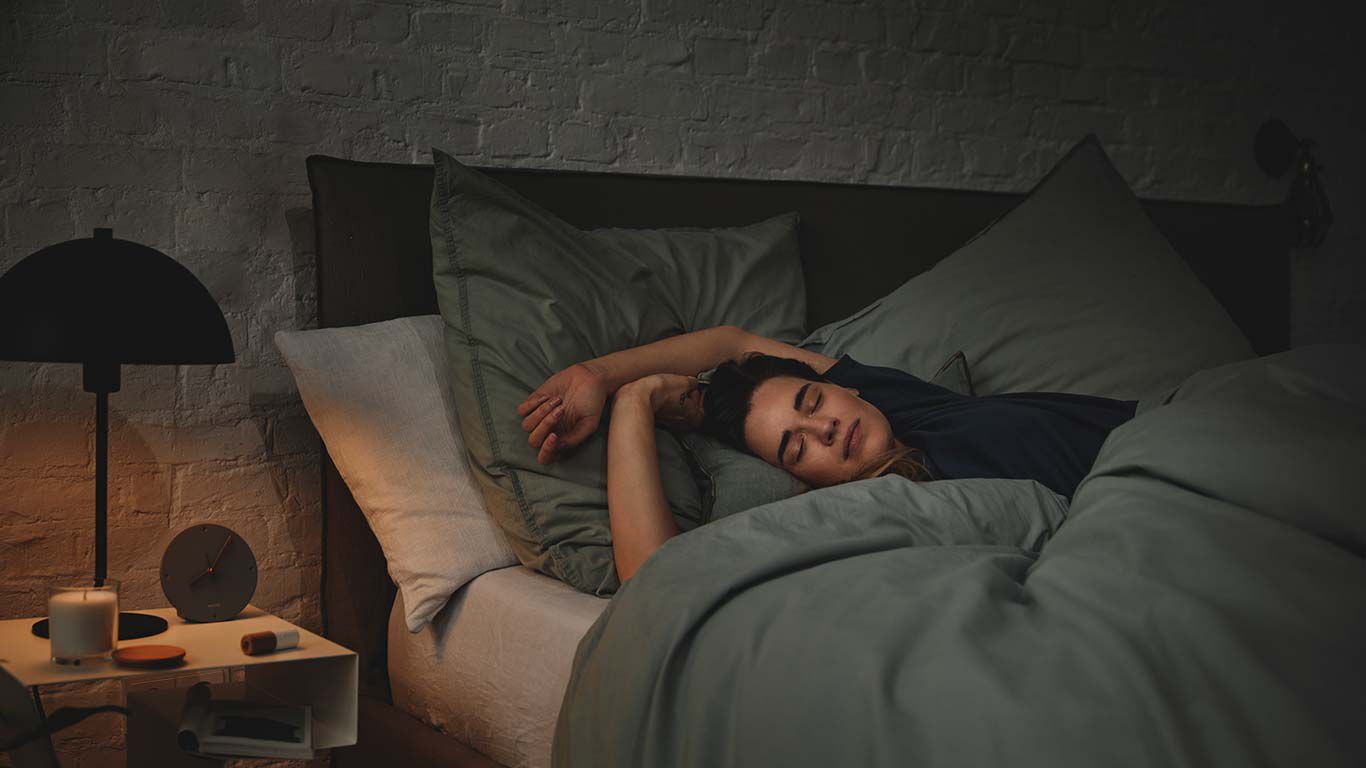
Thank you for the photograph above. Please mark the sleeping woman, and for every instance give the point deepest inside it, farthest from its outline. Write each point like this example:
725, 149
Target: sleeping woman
825, 421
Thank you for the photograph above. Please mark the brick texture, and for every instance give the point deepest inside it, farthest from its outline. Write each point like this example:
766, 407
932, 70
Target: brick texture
185, 125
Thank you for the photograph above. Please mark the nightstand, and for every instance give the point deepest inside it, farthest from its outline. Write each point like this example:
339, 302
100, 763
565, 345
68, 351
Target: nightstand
318, 673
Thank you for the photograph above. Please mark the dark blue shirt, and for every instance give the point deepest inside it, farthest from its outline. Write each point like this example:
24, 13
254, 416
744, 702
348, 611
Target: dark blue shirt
1045, 436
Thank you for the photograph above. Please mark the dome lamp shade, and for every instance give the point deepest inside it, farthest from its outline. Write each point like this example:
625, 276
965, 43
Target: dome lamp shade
105, 300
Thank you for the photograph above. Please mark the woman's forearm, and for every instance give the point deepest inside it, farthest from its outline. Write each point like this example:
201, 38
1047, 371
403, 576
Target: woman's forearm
685, 354
638, 511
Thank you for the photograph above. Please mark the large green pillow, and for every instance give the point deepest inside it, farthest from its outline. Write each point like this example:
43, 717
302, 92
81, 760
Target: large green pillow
524, 294
749, 277
1073, 290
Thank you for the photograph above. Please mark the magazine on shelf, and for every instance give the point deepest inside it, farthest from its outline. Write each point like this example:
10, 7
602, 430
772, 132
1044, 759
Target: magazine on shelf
244, 728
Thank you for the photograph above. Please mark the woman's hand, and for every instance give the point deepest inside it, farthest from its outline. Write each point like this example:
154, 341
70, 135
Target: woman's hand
676, 400
564, 411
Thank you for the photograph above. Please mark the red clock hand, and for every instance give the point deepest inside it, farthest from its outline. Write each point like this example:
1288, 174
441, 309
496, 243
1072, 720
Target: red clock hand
214, 565
221, 550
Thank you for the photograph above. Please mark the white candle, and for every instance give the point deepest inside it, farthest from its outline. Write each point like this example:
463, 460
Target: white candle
82, 623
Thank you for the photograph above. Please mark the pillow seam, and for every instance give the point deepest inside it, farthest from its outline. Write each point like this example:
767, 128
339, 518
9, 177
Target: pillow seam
694, 460
477, 371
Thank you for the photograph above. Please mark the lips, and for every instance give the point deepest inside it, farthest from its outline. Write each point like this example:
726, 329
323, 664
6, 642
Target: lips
849, 439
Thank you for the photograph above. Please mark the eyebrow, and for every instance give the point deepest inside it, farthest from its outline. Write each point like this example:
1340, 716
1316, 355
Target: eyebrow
787, 433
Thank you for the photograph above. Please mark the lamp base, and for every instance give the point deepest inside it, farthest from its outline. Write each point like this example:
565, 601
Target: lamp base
131, 626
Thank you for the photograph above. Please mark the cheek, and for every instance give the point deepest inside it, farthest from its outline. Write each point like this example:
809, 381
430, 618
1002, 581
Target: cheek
827, 474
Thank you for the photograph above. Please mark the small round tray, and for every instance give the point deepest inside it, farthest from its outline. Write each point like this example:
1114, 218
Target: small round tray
149, 656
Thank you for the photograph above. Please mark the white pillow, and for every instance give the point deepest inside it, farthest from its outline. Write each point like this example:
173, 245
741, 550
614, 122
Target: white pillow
380, 397
1073, 290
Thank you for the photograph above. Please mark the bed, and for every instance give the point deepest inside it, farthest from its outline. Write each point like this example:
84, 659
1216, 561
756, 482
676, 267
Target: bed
428, 697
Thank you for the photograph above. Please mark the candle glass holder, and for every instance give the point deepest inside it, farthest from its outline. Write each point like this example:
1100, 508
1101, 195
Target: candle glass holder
83, 621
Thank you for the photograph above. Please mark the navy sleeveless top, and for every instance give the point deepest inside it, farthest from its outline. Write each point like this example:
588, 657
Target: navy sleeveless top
1045, 436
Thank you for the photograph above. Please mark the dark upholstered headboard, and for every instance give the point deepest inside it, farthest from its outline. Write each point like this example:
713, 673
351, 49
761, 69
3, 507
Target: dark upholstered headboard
374, 263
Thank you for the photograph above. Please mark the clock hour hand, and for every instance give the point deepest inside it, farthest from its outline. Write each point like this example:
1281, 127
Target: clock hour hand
213, 565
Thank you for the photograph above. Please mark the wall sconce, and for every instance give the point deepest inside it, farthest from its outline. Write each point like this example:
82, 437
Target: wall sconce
1277, 149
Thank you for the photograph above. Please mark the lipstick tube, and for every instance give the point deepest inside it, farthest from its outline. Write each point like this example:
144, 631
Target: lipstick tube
257, 643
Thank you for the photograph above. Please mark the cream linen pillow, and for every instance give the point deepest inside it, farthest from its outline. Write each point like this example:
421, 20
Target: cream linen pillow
379, 396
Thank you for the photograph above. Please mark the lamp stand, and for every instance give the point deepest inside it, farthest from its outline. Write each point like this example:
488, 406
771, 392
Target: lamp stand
101, 379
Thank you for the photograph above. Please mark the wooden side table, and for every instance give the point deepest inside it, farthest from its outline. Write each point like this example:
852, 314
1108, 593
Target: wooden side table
318, 673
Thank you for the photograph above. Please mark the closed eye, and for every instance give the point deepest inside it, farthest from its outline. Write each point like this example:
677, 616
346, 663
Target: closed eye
816, 404
801, 447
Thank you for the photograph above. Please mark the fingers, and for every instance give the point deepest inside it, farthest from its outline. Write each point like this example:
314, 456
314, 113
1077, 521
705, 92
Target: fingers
687, 420
551, 421
532, 401
548, 448
537, 415
693, 412
566, 437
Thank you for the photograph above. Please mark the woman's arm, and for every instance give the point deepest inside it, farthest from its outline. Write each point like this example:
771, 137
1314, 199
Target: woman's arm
639, 513
581, 390
685, 355
689, 353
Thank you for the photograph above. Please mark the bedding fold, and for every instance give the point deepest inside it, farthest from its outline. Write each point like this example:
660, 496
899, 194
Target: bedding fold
1201, 605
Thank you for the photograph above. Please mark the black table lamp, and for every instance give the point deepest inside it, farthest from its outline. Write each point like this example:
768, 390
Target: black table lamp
103, 302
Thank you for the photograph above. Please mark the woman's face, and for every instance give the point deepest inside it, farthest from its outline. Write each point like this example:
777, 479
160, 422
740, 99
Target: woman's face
804, 427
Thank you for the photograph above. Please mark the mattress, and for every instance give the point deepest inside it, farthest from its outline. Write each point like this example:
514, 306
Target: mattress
492, 667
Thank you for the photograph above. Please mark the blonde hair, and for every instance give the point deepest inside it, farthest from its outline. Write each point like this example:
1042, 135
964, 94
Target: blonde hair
900, 459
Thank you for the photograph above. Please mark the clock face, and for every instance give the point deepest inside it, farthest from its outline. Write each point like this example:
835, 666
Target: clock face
208, 573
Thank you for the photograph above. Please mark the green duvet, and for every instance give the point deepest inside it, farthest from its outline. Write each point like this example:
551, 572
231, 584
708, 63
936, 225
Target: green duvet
1203, 603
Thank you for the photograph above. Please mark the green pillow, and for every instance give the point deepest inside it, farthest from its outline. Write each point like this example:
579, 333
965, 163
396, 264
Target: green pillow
749, 277
1073, 290
732, 480
954, 375
523, 294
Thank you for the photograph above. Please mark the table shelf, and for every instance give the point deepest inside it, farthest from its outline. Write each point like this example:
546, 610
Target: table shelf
319, 673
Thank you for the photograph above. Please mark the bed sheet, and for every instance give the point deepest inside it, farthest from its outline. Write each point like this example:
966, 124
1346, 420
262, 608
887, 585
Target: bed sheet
492, 667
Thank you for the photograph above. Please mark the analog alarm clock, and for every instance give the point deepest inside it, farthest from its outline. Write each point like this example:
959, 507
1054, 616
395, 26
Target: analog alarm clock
208, 573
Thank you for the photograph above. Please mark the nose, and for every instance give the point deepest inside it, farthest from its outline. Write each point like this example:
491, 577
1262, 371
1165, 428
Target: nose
832, 430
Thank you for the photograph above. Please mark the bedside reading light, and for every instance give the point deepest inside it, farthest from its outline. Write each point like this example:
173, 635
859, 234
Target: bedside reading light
103, 302
1277, 149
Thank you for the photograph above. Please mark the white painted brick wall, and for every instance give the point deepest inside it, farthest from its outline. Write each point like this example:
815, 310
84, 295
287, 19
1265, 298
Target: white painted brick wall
184, 125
